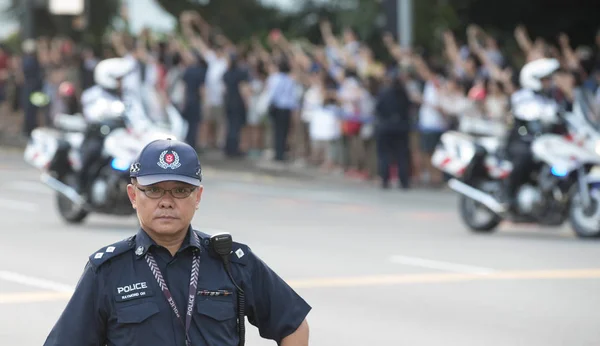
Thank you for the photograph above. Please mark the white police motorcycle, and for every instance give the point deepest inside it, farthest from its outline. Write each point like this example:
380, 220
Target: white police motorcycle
564, 185
56, 152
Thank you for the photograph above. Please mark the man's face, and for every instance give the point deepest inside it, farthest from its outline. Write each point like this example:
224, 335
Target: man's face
165, 215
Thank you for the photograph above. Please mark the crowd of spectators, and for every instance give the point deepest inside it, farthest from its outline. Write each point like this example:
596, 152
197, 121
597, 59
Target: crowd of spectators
333, 106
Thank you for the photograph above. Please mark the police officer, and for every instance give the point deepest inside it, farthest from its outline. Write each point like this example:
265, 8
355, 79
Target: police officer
392, 131
97, 105
535, 112
168, 285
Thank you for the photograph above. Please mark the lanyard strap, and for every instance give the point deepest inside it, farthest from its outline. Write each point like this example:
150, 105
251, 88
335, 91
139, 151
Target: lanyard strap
167, 293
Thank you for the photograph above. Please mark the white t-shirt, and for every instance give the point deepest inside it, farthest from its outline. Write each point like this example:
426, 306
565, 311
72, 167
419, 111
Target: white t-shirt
496, 107
215, 88
132, 83
429, 117
325, 124
313, 101
350, 95
455, 105
258, 106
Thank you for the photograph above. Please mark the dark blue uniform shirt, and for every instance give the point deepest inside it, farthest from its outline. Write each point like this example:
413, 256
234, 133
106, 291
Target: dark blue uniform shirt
118, 302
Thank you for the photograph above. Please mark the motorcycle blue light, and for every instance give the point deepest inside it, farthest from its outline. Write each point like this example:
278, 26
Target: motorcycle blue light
120, 165
559, 172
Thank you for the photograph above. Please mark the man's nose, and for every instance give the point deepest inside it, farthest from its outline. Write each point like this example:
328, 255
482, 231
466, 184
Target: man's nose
166, 201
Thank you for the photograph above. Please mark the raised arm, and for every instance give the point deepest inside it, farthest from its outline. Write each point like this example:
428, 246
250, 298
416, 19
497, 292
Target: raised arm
188, 19
118, 44
451, 50
567, 52
421, 67
393, 48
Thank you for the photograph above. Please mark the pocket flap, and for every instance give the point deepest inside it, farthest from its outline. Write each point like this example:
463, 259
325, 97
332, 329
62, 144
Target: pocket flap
136, 313
218, 309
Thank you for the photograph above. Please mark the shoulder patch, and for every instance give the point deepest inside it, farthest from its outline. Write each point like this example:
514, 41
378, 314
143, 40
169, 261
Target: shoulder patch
240, 253
111, 251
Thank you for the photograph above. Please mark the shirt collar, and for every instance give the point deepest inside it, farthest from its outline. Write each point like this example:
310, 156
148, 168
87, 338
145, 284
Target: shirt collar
143, 242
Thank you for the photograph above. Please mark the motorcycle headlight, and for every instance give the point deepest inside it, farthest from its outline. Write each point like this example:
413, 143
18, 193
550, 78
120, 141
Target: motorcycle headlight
120, 164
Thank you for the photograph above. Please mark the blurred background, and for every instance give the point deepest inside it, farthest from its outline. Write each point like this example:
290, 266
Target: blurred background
378, 266
471, 44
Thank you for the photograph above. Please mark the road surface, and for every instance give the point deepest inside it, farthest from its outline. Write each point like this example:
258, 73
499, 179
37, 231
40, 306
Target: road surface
378, 268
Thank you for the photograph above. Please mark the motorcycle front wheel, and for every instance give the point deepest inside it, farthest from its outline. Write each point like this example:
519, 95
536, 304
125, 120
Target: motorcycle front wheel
70, 212
477, 217
585, 221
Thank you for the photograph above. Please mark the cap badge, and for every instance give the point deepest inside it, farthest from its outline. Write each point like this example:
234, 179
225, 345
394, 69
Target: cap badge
169, 160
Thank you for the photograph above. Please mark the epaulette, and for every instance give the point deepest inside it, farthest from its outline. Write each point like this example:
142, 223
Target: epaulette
104, 254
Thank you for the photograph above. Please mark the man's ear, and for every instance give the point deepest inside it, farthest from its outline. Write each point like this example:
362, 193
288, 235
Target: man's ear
132, 196
199, 195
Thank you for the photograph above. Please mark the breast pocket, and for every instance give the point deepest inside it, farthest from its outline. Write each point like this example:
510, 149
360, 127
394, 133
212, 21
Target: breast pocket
216, 319
137, 313
135, 324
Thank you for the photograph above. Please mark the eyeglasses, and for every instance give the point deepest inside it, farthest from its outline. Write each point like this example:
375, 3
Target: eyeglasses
156, 192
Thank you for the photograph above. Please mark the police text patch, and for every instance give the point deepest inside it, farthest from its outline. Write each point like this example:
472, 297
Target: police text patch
133, 291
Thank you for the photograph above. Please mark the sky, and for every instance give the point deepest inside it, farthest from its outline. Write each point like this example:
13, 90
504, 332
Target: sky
142, 13
148, 12
8, 26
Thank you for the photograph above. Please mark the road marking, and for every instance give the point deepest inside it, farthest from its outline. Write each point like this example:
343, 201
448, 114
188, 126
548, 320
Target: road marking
388, 280
35, 282
361, 281
12, 204
32, 297
29, 186
447, 266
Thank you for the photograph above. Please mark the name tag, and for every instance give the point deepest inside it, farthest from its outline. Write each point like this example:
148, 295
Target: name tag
133, 291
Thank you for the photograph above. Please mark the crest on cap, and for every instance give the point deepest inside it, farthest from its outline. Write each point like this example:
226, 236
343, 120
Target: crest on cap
169, 160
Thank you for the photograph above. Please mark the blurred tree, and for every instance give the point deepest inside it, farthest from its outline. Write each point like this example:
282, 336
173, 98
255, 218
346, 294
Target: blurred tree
543, 18
240, 19
47, 24
237, 19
